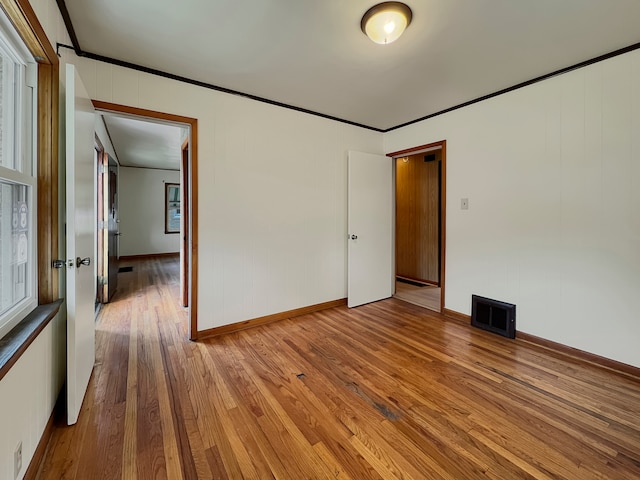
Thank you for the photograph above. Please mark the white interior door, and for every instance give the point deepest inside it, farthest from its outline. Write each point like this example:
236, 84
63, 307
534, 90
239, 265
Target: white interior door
370, 211
80, 132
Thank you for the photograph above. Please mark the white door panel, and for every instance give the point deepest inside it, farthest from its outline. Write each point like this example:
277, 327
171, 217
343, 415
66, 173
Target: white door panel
79, 125
370, 210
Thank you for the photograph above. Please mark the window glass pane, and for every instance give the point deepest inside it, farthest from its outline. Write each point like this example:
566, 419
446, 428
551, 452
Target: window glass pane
18, 186
2, 114
26, 136
8, 94
14, 246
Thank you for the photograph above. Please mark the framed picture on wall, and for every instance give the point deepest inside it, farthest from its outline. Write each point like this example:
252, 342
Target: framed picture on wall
171, 208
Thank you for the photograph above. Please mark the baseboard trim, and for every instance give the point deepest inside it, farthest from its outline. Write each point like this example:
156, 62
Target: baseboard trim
148, 255
419, 281
458, 317
41, 449
254, 322
576, 353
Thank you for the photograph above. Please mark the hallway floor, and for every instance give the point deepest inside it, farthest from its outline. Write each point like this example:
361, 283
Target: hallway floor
425, 296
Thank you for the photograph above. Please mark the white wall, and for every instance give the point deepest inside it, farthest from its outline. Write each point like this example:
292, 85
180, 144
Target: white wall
552, 173
141, 210
28, 393
272, 193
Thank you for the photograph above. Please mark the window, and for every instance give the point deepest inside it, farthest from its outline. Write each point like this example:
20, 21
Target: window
18, 182
171, 208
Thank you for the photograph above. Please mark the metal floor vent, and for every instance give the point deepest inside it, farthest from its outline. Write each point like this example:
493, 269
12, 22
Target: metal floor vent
494, 316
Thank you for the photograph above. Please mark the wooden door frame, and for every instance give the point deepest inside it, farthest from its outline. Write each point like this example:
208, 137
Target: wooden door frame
100, 238
110, 255
443, 202
185, 218
191, 278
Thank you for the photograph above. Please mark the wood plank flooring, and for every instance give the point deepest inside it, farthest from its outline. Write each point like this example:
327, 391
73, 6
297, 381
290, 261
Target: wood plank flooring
387, 390
424, 296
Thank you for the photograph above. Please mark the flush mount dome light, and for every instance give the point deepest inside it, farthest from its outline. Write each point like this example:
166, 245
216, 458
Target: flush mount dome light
385, 22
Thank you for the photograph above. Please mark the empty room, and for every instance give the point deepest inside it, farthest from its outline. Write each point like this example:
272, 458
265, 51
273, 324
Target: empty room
319, 239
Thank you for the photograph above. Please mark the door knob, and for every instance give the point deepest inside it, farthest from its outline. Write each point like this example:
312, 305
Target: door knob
354, 237
83, 261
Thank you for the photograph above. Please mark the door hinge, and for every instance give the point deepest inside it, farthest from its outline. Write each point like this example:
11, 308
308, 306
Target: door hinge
102, 280
103, 169
31, 79
101, 225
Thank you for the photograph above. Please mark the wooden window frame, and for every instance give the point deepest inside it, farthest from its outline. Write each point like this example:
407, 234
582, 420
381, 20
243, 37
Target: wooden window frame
26, 23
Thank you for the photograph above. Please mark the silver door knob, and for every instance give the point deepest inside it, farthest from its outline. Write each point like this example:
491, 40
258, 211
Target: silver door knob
354, 237
83, 261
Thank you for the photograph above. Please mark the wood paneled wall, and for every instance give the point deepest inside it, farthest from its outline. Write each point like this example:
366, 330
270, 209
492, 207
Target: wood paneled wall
418, 218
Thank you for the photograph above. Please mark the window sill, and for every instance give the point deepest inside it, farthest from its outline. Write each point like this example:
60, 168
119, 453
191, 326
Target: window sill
16, 342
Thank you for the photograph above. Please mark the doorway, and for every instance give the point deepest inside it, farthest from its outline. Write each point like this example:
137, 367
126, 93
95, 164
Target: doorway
420, 223
107, 224
188, 179
100, 246
184, 181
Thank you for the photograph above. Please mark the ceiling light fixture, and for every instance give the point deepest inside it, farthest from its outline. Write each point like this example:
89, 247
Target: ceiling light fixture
385, 22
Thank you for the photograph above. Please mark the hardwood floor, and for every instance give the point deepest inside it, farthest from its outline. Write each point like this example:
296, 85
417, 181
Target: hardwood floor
424, 296
387, 390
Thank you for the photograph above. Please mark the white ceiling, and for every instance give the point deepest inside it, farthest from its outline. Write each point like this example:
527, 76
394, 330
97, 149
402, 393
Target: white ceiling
312, 53
145, 144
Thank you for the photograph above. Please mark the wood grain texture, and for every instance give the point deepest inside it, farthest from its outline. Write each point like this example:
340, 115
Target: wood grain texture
579, 354
430, 148
275, 317
24, 19
185, 228
26, 22
111, 216
424, 296
457, 316
443, 220
418, 218
149, 256
553, 347
386, 390
102, 256
193, 231
47, 182
427, 148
